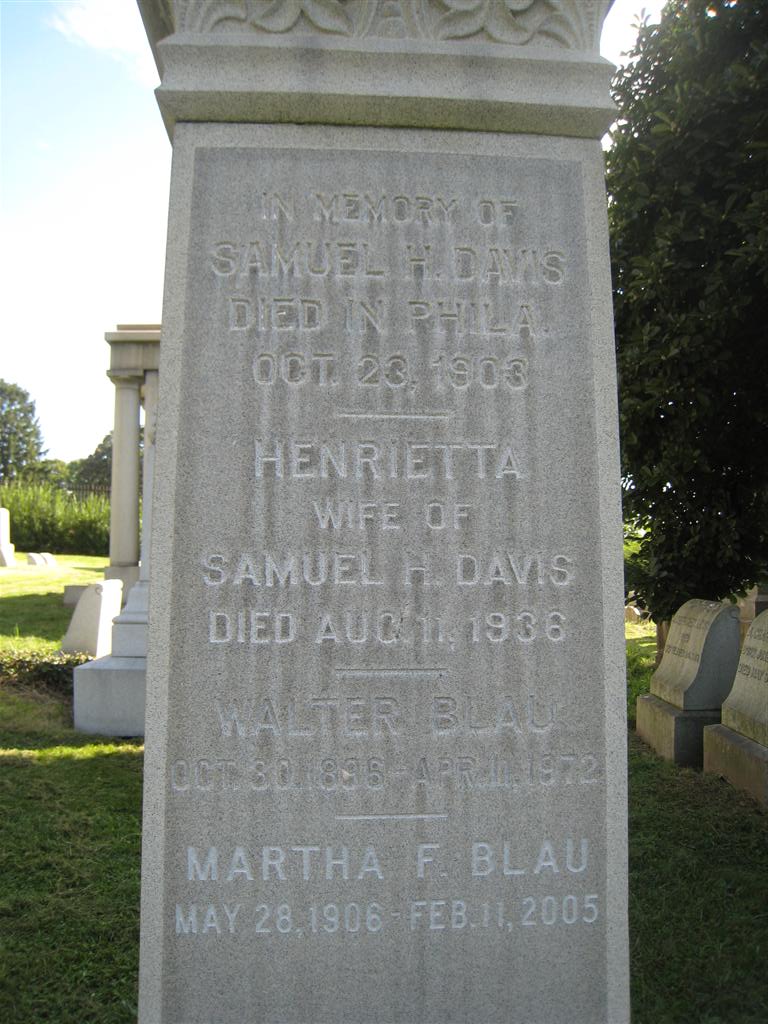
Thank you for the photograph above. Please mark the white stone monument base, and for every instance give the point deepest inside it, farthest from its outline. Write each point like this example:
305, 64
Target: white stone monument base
129, 631
674, 734
109, 696
129, 574
7, 555
738, 759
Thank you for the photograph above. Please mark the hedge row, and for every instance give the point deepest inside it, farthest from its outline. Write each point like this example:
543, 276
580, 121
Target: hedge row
46, 518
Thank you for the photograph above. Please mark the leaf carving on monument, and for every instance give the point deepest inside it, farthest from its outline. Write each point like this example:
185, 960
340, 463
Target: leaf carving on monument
573, 24
278, 16
282, 15
205, 15
392, 19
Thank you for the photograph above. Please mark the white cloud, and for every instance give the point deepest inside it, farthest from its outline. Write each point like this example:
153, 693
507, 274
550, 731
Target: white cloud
112, 26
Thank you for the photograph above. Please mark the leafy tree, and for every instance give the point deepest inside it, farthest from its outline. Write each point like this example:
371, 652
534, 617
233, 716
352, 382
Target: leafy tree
95, 471
688, 186
21, 442
48, 471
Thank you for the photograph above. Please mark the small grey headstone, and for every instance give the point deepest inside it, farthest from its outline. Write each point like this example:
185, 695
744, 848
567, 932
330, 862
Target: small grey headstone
738, 748
694, 678
746, 708
700, 656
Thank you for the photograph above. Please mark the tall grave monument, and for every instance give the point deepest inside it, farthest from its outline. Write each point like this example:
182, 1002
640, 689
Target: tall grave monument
385, 731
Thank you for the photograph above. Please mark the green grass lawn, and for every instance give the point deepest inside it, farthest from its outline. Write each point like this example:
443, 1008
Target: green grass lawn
32, 615
641, 657
70, 827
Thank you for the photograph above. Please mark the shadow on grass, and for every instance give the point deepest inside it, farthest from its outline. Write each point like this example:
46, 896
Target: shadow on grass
96, 571
69, 905
698, 886
647, 644
36, 718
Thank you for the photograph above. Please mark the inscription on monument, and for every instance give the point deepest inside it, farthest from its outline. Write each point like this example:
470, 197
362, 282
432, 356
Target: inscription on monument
388, 640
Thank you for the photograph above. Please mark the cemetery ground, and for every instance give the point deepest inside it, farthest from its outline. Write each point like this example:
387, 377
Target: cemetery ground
70, 837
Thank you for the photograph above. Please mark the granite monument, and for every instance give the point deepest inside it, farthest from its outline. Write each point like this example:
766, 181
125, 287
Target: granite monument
385, 709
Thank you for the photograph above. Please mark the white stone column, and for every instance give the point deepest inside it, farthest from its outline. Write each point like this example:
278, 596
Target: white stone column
129, 634
109, 692
151, 392
124, 500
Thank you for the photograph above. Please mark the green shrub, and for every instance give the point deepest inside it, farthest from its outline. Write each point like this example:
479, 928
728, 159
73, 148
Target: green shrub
46, 518
43, 671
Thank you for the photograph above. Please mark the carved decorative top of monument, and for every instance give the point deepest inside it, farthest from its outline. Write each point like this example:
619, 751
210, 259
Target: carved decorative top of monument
496, 65
571, 24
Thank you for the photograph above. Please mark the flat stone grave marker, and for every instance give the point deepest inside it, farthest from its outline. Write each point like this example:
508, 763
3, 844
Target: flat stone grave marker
385, 738
694, 678
737, 749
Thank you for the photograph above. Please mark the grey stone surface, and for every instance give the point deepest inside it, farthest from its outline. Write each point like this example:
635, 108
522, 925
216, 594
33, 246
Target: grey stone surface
90, 629
35, 558
738, 749
72, 594
700, 656
385, 714
694, 678
127, 574
133, 359
674, 734
7, 550
746, 708
738, 759
109, 696
523, 67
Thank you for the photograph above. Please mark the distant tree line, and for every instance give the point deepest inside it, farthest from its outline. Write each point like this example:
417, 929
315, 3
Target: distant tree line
22, 455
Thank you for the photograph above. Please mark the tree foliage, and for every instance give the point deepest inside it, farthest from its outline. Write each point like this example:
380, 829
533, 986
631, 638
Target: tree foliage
21, 442
47, 471
688, 185
94, 471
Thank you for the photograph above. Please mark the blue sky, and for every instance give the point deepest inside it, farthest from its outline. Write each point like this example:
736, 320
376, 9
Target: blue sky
84, 172
85, 165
